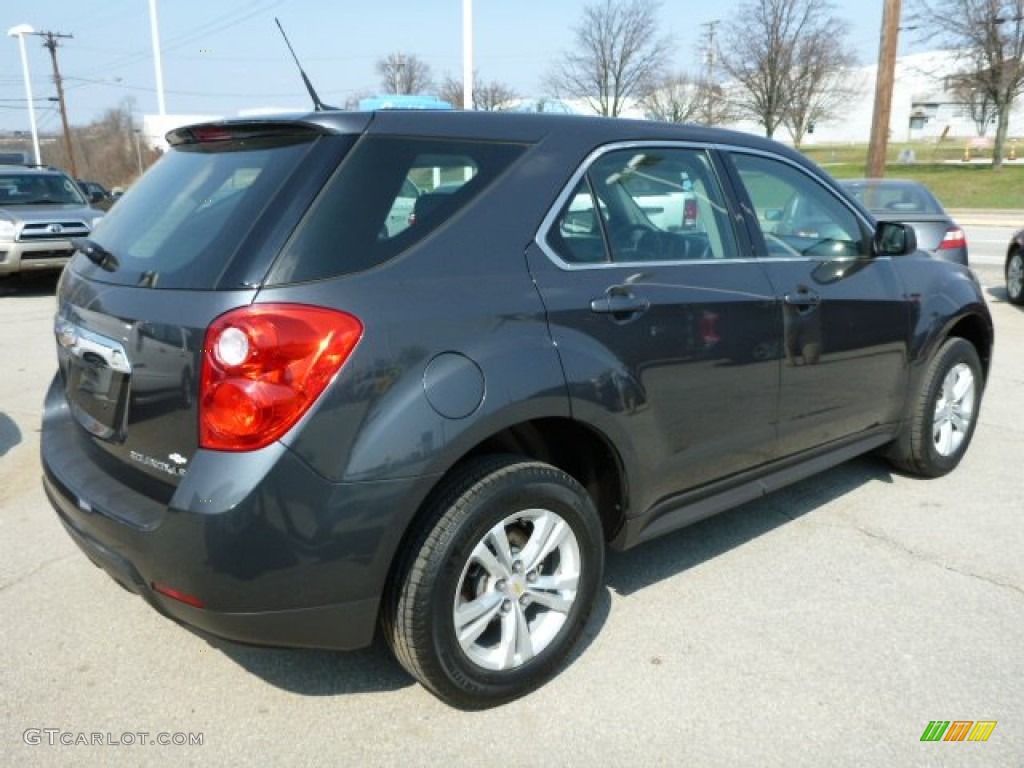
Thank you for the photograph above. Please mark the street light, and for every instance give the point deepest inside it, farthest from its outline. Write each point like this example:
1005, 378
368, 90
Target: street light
19, 32
467, 54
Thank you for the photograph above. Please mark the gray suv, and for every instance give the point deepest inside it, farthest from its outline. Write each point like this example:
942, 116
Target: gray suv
41, 210
286, 415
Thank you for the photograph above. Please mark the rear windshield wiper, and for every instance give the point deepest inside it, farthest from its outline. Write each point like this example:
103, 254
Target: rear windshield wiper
96, 253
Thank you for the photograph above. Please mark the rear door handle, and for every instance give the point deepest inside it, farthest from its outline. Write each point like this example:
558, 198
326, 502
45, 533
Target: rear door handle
619, 304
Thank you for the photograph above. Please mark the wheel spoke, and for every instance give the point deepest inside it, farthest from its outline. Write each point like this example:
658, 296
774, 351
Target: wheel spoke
961, 421
549, 531
556, 582
498, 539
551, 600
472, 618
516, 646
944, 437
963, 384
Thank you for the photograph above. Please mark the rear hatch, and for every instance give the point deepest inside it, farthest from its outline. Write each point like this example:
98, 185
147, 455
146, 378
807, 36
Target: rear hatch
191, 240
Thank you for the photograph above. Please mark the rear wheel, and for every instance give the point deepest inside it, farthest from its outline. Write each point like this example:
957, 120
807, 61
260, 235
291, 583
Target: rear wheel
497, 585
1015, 277
945, 412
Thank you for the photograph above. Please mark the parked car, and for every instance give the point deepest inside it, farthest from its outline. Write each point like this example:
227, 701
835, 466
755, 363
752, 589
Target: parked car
41, 211
439, 430
1015, 269
913, 203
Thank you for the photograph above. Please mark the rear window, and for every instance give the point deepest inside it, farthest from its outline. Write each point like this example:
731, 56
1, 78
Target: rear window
185, 219
388, 195
894, 198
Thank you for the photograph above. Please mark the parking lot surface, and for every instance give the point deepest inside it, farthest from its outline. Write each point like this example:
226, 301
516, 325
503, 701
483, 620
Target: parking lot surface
827, 624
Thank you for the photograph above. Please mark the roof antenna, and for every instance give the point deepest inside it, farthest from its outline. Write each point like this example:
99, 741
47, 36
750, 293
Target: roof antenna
318, 105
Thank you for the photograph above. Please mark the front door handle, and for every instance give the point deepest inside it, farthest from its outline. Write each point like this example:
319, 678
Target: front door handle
802, 297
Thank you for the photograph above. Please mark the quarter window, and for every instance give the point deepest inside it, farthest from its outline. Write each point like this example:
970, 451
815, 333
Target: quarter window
386, 196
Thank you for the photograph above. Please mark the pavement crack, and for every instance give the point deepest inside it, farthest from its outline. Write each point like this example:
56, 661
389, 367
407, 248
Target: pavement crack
893, 543
41, 566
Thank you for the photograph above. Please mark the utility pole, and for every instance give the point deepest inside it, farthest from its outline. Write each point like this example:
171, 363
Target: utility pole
50, 42
883, 90
710, 84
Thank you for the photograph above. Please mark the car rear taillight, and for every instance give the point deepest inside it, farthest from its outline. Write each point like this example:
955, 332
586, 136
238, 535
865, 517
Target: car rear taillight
954, 238
264, 366
690, 213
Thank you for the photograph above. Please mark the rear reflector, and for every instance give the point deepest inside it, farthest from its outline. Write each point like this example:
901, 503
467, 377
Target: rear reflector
954, 238
178, 595
264, 366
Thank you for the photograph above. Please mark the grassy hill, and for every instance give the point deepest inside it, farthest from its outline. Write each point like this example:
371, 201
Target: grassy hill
940, 167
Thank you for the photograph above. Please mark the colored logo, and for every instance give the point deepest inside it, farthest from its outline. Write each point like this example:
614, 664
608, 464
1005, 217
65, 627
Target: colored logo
958, 730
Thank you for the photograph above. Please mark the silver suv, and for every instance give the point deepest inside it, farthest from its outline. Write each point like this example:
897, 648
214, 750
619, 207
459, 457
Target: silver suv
41, 210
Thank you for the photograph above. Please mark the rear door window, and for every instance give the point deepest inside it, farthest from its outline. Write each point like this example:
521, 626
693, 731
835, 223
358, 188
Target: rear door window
656, 204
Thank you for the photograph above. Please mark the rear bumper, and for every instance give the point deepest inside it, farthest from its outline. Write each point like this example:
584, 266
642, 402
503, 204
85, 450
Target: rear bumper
281, 557
344, 626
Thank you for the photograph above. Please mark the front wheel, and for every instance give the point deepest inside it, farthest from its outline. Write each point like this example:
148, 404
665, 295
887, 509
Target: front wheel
945, 412
497, 585
1015, 277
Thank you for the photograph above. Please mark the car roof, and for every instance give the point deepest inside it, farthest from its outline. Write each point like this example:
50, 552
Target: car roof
39, 169
505, 126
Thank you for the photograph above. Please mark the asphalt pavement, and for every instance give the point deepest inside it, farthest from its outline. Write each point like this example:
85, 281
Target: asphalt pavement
826, 625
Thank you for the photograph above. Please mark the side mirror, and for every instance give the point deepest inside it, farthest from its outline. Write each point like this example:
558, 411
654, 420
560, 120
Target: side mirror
96, 196
894, 239
773, 214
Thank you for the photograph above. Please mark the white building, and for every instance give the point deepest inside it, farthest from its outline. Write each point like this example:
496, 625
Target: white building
923, 108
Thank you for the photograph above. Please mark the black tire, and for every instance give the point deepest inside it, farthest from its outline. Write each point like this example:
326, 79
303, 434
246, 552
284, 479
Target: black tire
447, 566
945, 412
1015, 277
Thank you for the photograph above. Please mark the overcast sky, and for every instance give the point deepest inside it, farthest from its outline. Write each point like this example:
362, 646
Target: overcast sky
220, 56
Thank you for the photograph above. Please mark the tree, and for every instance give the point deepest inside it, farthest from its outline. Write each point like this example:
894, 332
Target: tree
404, 73
487, 96
987, 37
978, 102
618, 56
680, 98
820, 82
674, 98
108, 150
769, 50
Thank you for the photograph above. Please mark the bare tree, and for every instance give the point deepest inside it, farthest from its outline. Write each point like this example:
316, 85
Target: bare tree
108, 150
761, 49
674, 98
978, 102
618, 55
988, 38
821, 80
487, 96
404, 73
